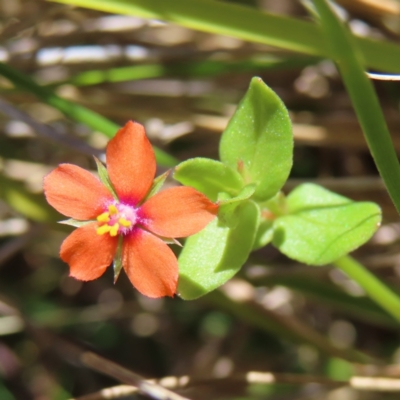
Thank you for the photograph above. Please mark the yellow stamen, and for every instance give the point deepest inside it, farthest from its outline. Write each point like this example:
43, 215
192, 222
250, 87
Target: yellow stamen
105, 217
113, 210
124, 222
103, 229
114, 230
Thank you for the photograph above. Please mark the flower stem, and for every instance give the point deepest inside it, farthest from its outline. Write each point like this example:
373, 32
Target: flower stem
376, 289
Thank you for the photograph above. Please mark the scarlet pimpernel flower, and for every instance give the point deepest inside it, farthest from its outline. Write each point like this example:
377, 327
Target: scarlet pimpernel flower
126, 223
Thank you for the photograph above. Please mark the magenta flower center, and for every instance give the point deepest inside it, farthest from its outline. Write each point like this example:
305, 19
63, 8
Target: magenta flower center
119, 219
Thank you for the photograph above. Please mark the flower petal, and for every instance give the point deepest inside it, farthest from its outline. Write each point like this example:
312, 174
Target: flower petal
87, 253
131, 163
75, 192
150, 264
177, 212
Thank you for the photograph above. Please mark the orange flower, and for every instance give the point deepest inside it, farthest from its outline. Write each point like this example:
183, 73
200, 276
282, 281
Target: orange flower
177, 212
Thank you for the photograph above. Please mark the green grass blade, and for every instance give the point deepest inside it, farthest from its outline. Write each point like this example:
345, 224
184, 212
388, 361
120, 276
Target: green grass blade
74, 111
245, 23
31, 205
376, 289
365, 101
196, 69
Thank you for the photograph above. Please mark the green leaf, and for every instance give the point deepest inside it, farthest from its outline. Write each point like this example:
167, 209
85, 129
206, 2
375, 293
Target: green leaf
103, 175
157, 184
228, 205
269, 211
75, 222
209, 177
244, 194
215, 254
311, 196
264, 234
322, 226
117, 264
258, 140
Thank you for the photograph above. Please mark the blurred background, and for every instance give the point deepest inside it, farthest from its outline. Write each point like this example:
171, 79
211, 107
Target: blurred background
183, 85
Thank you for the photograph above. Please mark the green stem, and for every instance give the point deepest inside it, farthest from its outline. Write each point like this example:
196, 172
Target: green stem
350, 62
376, 289
245, 23
74, 111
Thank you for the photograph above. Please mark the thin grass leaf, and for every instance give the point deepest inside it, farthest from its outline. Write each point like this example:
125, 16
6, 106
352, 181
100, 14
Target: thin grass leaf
30, 205
206, 68
376, 290
246, 23
74, 111
351, 65
366, 104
